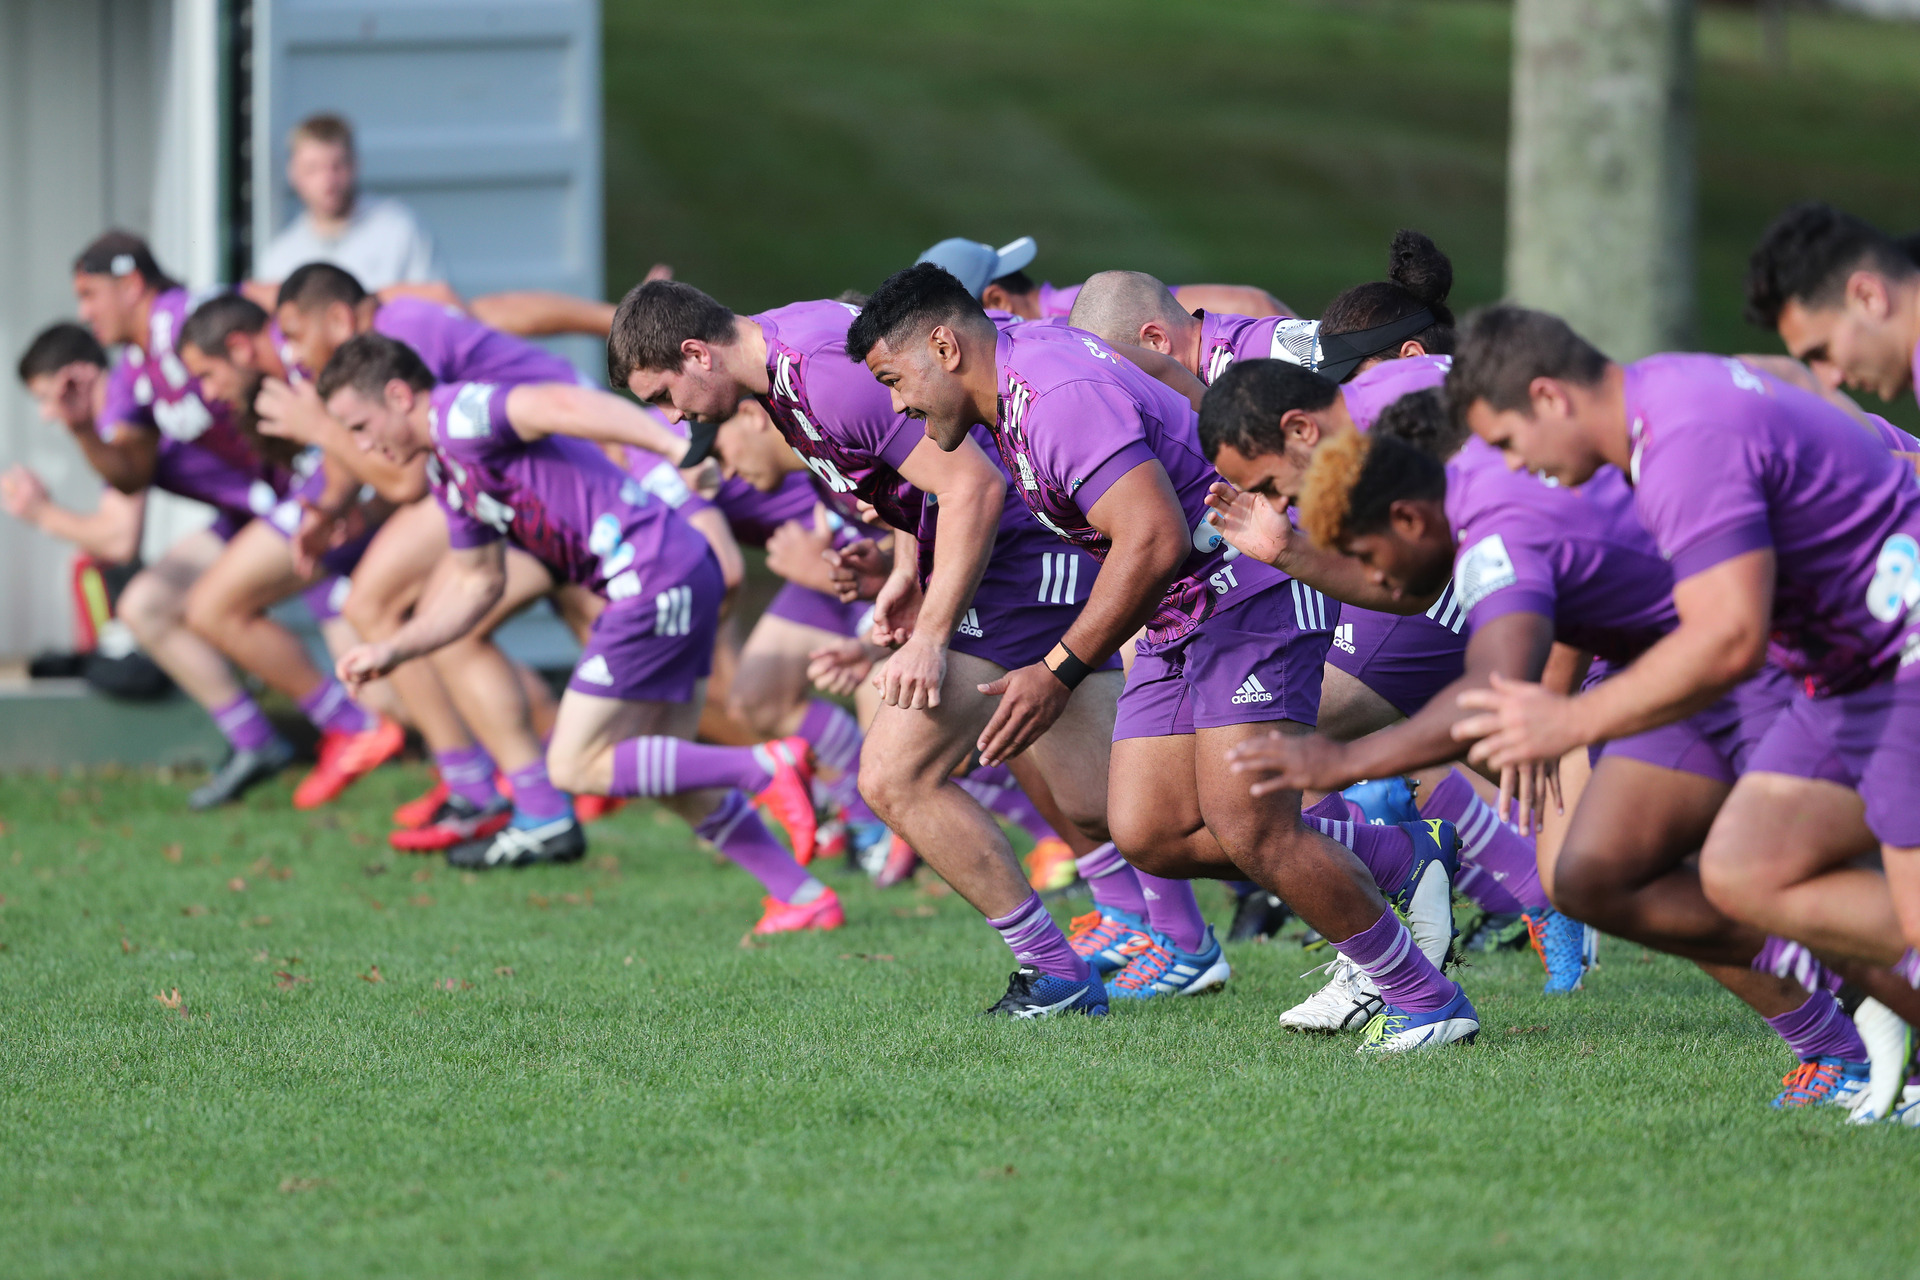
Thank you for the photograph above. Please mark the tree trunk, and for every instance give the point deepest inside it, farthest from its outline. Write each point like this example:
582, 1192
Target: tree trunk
1600, 172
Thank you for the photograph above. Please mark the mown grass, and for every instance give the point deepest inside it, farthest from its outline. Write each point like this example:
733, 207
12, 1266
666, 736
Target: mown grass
581, 1072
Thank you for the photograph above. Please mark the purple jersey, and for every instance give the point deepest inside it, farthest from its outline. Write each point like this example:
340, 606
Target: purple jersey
559, 499
1074, 418
835, 415
202, 454
663, 480
1575, 556
1226, 338
1057, 303
457, 348
1369, 393
1727, 460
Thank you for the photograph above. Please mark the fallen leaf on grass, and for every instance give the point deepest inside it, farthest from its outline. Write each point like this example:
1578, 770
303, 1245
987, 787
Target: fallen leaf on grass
861, 955
423, 875
376, 904
1002, 1171
259, 922
1527, 1030
628, 960
469, 877
605, 862
287, 981
373, 869
171, 999
237, 885
420, 900
924, 909
360, 838
126, 948
195, 910
447, 984
503, 971
171, 853
261, 865
538, 900
280, 873
575, 900
293, 1186
372, 975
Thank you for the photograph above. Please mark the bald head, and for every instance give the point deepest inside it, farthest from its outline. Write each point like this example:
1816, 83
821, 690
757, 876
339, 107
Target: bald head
1135, 308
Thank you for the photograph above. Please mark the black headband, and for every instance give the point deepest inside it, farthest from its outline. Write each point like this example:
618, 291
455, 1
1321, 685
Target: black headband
1342, 353
700, 437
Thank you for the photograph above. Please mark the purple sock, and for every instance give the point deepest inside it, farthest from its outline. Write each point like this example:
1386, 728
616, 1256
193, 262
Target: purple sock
332, 711
1112, 880
1386, 851
669, 766
736, 831
836, 740
1820, 1028
1784, 959
1172, 910
468, 773
1385, 952
1908, 967
243, 723
1499, 869
535, 799
1036, 940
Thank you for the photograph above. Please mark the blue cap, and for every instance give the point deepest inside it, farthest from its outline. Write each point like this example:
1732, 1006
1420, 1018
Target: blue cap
978, 265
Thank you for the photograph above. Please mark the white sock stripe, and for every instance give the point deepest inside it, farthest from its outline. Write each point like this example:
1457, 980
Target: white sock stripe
670, 757
1402, 943
1104, 861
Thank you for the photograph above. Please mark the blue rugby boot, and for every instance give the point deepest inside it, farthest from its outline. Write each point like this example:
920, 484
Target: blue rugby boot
1101, 936
1823, 1082
1395, 1030
1032, 994
1561, 943
1425, 898
1156, 967
1387, 802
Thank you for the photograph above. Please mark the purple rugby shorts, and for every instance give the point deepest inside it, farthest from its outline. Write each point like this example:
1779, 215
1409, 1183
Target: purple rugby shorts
1717, 742
1256, 659
656, 646
1404, 659
1868, 740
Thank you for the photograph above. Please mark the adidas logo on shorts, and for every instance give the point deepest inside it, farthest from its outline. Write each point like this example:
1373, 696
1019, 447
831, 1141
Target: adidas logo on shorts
1251, 691
1343, 637
595, 671
970, 625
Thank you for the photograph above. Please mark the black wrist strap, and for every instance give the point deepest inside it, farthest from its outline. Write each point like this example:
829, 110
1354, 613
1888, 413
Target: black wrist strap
1067, 668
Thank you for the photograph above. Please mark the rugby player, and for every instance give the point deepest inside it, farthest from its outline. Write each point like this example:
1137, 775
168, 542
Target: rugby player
1109, 459
515, 463
998, 278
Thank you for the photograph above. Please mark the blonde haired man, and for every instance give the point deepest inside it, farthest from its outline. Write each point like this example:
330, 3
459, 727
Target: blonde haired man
377, 239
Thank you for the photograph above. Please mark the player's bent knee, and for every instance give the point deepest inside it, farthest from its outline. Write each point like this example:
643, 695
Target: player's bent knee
1584, 889
148, 609
580, 772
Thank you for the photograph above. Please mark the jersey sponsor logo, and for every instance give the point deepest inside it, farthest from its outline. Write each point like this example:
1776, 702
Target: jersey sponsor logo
1099, 352
666, 484
467, 416
595, 671
1309, 607
828, 473
1206, 537
1251, 690
1059, 577
1484, 569
673, 612
1343, 638
1222, 580
1744, 378
183, 419
492, 512
970, 625
1895, 588
624, 586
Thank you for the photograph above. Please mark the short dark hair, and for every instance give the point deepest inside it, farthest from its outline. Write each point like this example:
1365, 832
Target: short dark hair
320, 284
219, 318
1504, 348
118, 253
1421, 419
1351, 486
1244, 405
57, 346
1807, 254
653, 320
1015, 282
367, 362
1419, 276
916, 299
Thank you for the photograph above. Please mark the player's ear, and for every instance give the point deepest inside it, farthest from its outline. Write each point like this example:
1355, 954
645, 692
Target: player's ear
1867, 291
1298, 424
1153, 336
945, 346
1549, 396
696, 353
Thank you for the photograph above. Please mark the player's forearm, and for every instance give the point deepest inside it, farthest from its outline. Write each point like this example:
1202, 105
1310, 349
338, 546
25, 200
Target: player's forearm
1689, 669
457, 598
127, 467
557, 409
1133, 581
1343, 578
104, 535
538, 312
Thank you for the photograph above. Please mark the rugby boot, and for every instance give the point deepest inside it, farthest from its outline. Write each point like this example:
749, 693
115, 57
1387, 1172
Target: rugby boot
243, 771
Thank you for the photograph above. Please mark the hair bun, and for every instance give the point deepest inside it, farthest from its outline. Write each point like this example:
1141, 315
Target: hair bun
1416, 264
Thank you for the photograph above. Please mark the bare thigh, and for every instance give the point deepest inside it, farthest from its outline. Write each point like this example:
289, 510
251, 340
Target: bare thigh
391, 575
770, 692
1073, 754
587, 728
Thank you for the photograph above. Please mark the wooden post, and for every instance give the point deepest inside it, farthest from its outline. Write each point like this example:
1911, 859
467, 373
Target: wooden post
1600, 173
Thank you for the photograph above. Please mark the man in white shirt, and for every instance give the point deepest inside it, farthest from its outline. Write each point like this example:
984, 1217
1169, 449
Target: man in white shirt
378, 240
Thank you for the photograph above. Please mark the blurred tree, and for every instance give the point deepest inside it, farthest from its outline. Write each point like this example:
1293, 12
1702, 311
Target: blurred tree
1600, 192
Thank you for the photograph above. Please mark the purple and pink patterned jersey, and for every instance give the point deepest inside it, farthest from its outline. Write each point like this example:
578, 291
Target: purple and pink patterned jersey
1227, 338
561, 500
1727, 460
202, 454
835, 415
1074, 418
1370, 392
1057, 304
1577, 556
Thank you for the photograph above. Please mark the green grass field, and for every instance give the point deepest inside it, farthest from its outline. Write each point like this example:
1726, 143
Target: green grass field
580, 1072
773, 151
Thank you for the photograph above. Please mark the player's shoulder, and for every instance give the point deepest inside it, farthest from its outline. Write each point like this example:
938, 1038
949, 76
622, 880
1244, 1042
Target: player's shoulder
810, 327
465, 414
